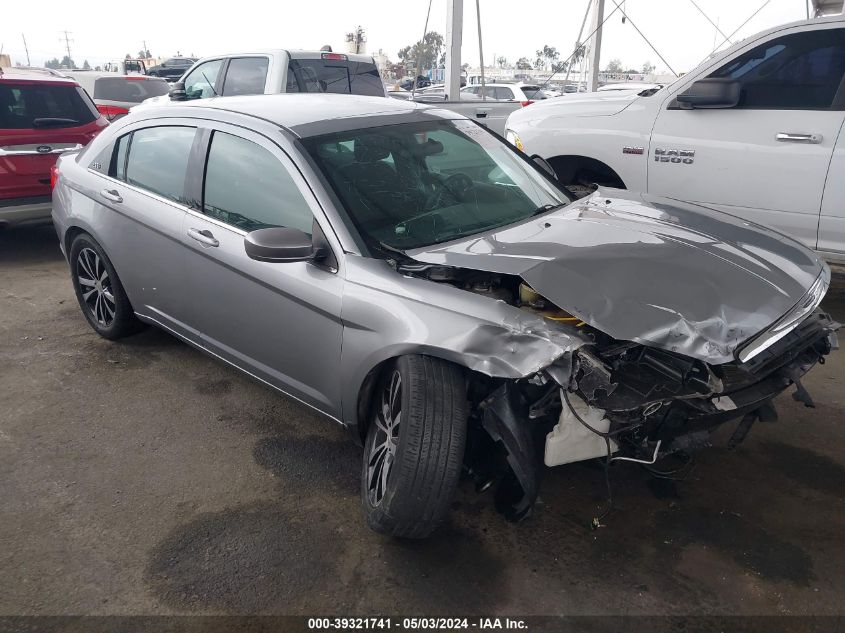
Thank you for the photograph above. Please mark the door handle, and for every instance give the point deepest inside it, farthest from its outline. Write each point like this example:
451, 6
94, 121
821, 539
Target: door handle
203, 237
481, 114
111, 194
788, 137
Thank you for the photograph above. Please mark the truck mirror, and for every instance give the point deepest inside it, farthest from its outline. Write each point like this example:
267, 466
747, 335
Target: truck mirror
710, 93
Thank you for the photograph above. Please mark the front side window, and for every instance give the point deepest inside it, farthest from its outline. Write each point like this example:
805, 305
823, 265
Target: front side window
246, 76
415, 184
201, 83
158, 160
798, 71
247, 187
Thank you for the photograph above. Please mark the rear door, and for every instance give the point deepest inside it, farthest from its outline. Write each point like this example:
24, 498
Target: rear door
279, 322
141, 202
766, 159
38, 121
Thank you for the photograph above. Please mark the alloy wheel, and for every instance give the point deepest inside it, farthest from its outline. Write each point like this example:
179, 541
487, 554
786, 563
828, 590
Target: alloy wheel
383, 449
95, 286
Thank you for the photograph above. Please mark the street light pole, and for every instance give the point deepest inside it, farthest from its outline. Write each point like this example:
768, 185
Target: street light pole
454, 34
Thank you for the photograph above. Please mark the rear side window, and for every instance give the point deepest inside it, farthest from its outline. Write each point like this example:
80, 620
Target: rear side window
128, 89
799, 71
248, 187
158, 160
503, 93
246, 76
334, 76
41, 105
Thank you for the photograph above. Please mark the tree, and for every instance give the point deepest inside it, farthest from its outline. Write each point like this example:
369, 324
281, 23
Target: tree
67, 62
53, 63
546, 57
86, 65
98, 68
501, 61
648, 68
426, 53
523, 64
614, 66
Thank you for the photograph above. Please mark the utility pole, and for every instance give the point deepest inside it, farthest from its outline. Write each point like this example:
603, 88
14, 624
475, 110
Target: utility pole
454, 34
595, 46
26, 48
67, 40
144, 42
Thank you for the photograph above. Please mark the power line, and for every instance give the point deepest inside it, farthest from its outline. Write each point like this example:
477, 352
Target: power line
706, 17
67, 40
26, 49
751, 17
656, 52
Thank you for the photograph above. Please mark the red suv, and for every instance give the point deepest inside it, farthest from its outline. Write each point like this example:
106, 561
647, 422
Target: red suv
42, 114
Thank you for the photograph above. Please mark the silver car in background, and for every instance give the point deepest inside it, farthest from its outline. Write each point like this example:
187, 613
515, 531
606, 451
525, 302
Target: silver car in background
408, 274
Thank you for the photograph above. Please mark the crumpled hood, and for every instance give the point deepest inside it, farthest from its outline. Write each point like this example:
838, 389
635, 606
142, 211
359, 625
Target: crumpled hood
660, 272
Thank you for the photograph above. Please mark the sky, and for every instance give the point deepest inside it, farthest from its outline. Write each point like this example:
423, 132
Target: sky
107, 31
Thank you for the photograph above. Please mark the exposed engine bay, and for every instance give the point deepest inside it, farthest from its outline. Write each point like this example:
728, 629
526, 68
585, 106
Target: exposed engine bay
612, 399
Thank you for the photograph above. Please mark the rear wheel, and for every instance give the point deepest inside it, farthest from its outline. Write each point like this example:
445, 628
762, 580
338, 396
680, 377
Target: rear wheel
99, 291
415, 446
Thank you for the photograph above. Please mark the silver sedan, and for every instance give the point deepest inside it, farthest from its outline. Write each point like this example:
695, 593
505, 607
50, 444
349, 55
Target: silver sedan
410, 275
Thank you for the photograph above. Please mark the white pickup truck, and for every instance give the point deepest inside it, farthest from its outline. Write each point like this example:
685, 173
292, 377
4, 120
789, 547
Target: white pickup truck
754, 131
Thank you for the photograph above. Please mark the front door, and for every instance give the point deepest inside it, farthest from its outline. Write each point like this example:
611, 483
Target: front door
278, 321
767, 158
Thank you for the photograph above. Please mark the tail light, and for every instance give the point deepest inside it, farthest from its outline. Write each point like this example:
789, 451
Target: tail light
526, 103
112, 112
54, 176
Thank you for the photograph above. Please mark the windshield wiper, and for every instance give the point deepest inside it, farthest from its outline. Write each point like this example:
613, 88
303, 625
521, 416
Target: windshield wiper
47, 121
546, 208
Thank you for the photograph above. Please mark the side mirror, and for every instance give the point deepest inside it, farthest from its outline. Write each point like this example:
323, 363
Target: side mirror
542, 164
177, 92
163, 65
280, 244
710, 93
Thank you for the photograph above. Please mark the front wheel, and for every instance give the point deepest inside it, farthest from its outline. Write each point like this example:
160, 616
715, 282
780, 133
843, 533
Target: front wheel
415, 446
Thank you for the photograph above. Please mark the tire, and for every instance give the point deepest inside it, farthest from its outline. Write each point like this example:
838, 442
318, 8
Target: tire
419, 447
99, 291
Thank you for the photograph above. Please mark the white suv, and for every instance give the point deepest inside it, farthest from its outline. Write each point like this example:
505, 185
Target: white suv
524, 93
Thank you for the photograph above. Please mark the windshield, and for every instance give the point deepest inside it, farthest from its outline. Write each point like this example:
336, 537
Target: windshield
416, 184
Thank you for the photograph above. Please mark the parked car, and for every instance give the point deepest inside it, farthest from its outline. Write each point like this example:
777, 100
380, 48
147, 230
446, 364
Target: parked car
526, 94
114, 94
42, 114
410, 275
408, 83
754, 131
172, 68
273, 72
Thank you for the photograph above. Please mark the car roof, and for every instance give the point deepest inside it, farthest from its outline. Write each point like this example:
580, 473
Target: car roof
293, 53
312, 114
17, 74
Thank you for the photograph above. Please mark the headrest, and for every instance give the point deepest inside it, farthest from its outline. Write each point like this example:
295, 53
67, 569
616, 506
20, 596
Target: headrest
371, 147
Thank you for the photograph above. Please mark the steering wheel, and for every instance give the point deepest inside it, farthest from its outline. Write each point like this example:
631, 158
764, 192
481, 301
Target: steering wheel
456, 187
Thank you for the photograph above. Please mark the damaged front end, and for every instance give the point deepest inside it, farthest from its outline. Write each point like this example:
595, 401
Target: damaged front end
614, 399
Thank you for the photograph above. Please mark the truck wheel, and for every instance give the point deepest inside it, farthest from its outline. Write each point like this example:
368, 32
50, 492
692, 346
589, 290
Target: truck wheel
415, 446
99, 291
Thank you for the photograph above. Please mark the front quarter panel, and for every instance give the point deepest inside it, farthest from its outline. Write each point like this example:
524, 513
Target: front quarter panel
387, 314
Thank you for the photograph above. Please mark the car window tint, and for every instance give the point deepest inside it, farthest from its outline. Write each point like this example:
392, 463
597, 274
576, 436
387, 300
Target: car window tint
334, 76
246, 76
201, 83
248, 187
503, 93
798, 71
129, 89
158, 160
27, 106
118, 166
